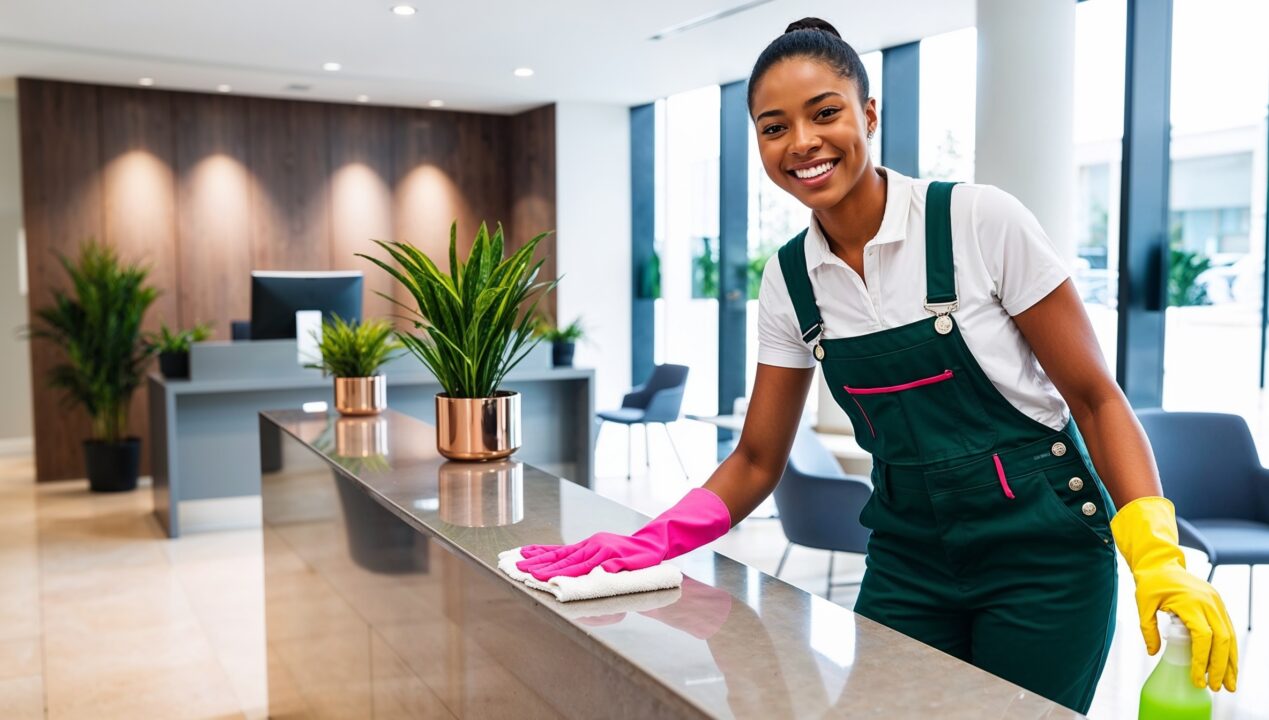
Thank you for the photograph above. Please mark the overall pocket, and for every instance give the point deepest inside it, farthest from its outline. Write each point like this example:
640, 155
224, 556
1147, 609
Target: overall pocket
1073, 495
930, 417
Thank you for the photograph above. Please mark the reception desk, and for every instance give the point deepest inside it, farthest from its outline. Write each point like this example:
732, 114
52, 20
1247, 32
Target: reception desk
204, 449
383, 599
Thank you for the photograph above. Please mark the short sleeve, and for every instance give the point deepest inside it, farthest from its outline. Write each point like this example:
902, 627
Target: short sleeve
779, 342
1017, 253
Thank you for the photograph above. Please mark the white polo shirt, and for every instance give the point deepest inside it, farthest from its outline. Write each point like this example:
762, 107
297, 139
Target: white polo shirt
1004, 265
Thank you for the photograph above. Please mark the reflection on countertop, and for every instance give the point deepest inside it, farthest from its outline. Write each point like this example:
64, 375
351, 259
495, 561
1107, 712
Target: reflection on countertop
383, 598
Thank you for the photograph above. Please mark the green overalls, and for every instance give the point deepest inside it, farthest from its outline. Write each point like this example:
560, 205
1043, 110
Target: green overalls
990, 531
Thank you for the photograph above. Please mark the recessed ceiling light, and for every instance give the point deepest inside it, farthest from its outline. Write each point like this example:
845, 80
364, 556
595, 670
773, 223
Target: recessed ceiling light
331, 66
146, 82
363, 98
223, 88
524, 72
436, 103
403, 10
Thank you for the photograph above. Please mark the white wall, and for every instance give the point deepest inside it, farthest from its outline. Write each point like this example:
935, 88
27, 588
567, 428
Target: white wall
593, 223
15, 363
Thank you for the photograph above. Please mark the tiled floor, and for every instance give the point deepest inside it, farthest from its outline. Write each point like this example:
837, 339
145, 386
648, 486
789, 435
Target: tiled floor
101, 617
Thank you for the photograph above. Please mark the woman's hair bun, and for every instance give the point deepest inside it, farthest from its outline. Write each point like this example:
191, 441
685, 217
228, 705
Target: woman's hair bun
813, 23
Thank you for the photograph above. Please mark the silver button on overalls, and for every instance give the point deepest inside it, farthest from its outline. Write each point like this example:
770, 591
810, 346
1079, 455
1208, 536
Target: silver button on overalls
1089, 508
1058, 449
1075, 484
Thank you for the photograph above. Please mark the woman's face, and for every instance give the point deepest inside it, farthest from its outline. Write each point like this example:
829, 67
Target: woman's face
812, 131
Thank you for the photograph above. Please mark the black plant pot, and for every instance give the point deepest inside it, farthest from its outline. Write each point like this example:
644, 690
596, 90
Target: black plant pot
174, 365
562, 353
113, 466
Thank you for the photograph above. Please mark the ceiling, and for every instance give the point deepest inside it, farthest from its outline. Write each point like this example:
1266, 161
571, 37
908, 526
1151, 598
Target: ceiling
462, 53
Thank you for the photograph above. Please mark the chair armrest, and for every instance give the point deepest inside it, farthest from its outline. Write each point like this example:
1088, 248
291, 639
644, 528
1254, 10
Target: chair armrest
1262, 491
1190, 536
664, 405
636, 397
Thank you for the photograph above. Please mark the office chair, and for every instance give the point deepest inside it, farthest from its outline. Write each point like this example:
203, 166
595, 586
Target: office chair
819, 505
1211, 472
656, 401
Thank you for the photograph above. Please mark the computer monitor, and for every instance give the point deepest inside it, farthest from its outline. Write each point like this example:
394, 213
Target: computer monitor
276, 296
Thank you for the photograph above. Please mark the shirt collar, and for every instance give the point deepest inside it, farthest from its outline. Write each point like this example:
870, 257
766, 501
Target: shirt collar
894, 222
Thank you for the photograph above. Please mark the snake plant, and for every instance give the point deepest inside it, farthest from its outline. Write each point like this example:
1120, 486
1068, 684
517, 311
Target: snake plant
355, 350
475, 323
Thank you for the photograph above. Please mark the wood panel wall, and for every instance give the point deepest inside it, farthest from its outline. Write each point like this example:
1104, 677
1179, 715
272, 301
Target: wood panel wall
205, 188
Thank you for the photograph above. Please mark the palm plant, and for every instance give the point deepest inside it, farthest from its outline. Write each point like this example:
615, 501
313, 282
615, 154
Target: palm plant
355, 350
567, 334
471, 324
98, 326
168, 340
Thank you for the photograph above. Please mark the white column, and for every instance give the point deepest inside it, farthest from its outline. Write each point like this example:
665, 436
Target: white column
1025, 127
592, 252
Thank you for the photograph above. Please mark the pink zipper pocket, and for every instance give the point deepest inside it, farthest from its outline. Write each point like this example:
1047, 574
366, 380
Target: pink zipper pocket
1000, 475
945, 375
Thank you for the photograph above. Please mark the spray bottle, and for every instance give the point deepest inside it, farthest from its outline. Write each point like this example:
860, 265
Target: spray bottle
1168, 693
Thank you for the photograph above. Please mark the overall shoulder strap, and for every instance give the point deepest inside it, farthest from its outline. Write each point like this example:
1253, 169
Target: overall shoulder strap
940, 275
793, 267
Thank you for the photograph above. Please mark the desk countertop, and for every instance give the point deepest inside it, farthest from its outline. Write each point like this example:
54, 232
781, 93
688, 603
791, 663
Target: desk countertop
773, 650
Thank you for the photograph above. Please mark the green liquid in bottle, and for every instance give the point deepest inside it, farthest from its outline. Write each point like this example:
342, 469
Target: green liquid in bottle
1168, 693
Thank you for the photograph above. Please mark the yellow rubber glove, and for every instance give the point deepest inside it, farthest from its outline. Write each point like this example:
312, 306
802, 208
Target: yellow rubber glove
1145, 531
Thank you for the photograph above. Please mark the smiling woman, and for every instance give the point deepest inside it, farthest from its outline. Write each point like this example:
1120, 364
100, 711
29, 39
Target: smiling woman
948, 330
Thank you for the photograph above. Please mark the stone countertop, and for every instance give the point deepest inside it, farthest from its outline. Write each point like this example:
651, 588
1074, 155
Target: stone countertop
732, 642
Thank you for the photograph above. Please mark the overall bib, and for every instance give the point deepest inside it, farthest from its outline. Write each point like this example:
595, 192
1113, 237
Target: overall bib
990, 531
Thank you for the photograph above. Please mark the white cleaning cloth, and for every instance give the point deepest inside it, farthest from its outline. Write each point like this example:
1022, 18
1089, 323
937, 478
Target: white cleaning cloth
598, 583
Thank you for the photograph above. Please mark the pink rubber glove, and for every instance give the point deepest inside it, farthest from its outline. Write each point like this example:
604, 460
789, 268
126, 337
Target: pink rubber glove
699, 518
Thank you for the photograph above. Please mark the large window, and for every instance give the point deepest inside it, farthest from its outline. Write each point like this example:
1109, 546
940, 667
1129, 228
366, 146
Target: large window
687, 241
948, 93
1220, 87
1100, 31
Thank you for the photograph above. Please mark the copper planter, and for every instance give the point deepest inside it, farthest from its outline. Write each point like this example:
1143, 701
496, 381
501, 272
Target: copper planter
361, 396
478, 428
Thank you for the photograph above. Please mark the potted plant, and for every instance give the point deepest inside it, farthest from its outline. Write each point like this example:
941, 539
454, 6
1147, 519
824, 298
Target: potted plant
98, 327
173, 348
353, 352
563, 341
472, 325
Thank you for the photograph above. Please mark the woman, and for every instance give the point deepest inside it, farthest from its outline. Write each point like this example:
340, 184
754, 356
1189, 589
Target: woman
950, 333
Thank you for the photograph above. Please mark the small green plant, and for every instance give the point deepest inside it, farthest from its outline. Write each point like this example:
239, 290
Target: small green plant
552, 333
352, 350
472, 324
98, 327
167, 340
1184, 268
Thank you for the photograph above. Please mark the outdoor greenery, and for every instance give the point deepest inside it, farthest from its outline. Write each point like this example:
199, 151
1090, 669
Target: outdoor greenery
355, 350
650, 278
472, 324
167, 340
552, 333
98, 327
1184, 267
705, 269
